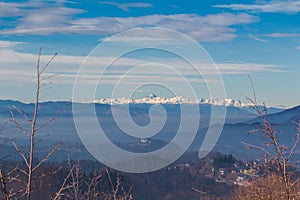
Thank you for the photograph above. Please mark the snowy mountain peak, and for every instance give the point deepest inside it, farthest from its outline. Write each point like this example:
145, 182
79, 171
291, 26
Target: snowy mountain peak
151, 96
154, 99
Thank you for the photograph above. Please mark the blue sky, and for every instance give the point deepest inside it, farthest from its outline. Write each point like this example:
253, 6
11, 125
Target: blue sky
261, 38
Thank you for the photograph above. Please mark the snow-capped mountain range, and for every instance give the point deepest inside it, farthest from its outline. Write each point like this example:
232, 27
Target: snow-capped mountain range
153, 99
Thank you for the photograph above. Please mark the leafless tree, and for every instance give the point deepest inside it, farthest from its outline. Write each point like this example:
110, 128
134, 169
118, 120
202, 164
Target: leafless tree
117, 190
30, 130
4, 185
20, 182
79, 187
267, 188
279, 160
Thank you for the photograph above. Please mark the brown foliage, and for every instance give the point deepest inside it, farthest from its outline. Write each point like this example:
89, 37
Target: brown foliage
269, 188
280, 180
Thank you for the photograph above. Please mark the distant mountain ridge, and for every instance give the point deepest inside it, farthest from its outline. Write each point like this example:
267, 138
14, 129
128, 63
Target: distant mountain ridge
154, 99
239, 121
235, 108
287, 116
150, 99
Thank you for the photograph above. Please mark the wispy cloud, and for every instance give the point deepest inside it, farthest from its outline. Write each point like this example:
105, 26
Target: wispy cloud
274, 6
17, 71
29, 9
282, 35
126, 6
62, 20
31, 17
19, 65
298, 47
9, 44
257, 38
9, 9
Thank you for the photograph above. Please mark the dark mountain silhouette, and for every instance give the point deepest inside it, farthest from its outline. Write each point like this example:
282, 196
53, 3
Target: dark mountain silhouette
286, 116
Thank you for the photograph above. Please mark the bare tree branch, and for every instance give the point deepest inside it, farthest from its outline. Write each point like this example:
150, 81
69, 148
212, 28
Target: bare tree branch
52, 118
3, 184
256, 147
19, 151
281, 156
46, 158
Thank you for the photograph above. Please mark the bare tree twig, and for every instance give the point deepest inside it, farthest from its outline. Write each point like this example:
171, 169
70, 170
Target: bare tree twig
46, 158
256, 147
3, 184
281, 156
19, 151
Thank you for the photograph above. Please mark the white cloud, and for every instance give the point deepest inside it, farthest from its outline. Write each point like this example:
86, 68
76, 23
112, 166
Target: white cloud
126, 6
9, 44
257, 38
45, 18
246, 68
9, 9
37, 17
61, 20
298, 47
31, 9
20, 66
282, 35
274, 6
